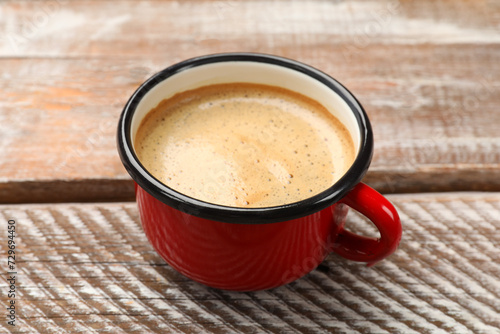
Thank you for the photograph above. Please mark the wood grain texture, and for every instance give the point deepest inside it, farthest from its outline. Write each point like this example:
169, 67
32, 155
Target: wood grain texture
426, 72
89, 268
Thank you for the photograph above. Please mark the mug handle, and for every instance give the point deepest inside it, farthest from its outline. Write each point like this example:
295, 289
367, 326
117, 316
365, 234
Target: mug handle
382, 213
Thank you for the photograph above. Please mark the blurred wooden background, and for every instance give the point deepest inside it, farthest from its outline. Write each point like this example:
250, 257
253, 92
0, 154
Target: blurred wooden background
426, 72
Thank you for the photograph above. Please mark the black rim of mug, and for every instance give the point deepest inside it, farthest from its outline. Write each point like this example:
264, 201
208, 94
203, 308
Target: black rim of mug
236, 214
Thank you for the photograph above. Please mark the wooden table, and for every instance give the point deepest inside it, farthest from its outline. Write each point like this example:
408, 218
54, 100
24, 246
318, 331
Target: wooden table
427, 72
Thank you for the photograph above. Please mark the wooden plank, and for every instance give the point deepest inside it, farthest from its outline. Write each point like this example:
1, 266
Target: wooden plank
89, 268
426, 73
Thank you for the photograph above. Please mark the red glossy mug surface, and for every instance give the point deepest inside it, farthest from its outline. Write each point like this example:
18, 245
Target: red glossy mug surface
262, 256
257, 248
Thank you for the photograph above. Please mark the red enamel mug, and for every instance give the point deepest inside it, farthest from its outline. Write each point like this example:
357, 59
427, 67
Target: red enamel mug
248, 249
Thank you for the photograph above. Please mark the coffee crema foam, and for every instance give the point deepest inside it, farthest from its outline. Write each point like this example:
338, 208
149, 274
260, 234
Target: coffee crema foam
244, 145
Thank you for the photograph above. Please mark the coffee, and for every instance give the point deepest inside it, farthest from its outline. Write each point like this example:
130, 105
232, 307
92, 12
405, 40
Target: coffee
244, 145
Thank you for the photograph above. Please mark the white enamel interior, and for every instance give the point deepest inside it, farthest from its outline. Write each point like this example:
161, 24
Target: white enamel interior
251, 72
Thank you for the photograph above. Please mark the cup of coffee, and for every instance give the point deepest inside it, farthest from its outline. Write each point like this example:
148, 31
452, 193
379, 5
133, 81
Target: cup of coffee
245, 166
